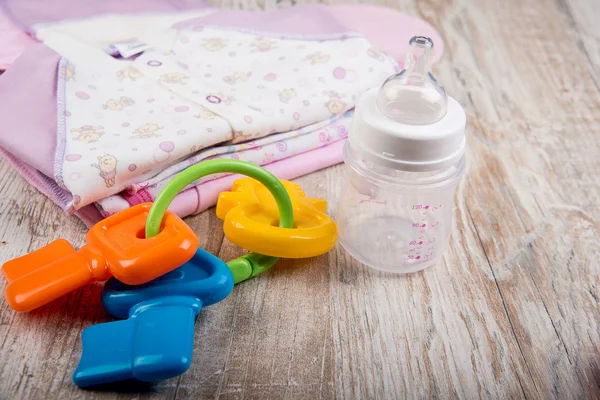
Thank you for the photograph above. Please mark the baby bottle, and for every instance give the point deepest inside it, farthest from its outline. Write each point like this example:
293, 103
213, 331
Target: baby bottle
405, 151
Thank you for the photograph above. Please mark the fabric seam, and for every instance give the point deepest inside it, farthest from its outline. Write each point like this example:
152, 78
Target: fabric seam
61, 140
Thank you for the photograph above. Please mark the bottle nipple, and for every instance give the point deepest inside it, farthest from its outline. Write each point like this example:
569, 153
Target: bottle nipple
414, 96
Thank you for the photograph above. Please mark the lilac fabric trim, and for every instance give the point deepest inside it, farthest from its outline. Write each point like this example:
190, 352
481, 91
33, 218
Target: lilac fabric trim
61, 196
26, 13
40, 181
88, 214
29, 173
61, 124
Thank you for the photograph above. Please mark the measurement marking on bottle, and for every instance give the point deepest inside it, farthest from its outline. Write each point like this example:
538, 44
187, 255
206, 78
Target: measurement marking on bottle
373, 201
420, 207
414, 257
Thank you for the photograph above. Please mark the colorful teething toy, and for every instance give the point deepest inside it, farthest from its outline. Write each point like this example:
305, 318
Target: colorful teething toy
151, 248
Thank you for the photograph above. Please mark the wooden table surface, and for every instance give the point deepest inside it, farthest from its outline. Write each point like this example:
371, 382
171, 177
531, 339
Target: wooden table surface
512, 311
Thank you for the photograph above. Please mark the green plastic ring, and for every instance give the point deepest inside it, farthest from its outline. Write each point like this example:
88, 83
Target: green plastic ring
246, 266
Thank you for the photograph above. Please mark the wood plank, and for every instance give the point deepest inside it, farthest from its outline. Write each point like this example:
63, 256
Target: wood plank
512, 311
528, 170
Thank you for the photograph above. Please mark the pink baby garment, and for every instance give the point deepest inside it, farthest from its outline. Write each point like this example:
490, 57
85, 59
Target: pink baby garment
305, 128
13, 41
124, 122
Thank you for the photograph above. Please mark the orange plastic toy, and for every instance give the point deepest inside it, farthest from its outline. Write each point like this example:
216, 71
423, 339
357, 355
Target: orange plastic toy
251, 221
116, 246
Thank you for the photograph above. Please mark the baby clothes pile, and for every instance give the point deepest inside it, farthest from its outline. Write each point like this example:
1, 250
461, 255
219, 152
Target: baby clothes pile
121, 96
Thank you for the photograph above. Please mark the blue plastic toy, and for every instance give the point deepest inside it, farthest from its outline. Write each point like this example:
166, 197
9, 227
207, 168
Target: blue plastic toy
157, 339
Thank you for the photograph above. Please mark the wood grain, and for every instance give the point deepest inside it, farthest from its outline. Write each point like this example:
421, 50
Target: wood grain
511, 312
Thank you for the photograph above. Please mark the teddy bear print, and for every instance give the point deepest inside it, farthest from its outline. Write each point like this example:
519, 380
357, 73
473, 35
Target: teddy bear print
262, 45
317, 58
286, 95
214, 44
375, 53
107, 165
88, 133
131, 73
174, 78
240, 136
118, 105
205, 114
335, 105
68, 73
237, 76
146, 131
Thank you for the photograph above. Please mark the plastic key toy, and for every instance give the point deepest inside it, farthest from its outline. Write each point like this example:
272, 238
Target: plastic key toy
115, 246
156, 341
250, 219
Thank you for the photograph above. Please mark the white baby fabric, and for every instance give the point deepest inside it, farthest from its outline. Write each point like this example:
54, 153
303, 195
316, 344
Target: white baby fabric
263, 85
117, 126
102, 31
124, 122
261, 152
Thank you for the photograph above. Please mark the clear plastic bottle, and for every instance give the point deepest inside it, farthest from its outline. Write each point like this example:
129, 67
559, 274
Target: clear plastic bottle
406, 155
